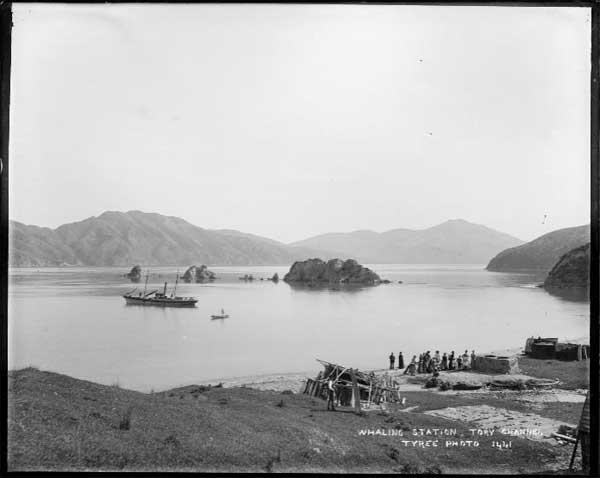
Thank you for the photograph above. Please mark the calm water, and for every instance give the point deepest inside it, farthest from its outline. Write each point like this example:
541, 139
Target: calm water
74, 321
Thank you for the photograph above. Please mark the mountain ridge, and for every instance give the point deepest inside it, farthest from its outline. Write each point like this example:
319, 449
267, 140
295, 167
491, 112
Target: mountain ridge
453, 242
116, 238
123, 238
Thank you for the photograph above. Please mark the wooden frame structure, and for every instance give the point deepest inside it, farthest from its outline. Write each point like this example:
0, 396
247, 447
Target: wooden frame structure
353, 386
583, 433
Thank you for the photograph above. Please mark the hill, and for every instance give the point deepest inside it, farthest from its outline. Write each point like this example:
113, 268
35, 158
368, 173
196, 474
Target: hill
134, 237
571, 271
37, 246
56, 422
542, 253
452, 242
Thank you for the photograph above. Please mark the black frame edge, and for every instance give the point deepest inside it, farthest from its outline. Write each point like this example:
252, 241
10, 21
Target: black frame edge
595, 238
5, 62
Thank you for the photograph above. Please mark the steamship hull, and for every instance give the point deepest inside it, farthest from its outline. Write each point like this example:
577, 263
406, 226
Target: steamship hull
161, 302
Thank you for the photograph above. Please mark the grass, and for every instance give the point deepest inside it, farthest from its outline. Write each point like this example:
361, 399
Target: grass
125, 422
61, 423
573, 375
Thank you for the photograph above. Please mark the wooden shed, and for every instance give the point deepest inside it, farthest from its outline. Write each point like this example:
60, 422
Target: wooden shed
351, 383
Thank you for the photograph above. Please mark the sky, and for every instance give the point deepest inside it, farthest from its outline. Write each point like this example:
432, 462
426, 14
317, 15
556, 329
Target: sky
289, 121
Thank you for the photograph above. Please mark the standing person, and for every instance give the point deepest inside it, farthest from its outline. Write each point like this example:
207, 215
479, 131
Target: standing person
330, 395
428, 362
437, 359
400, 360
392, 361
451, 361
465, 360
473, 359
459, 362
445, 361
420, 367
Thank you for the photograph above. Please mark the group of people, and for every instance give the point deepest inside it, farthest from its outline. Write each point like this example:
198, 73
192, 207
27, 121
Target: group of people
393, 360
428, 363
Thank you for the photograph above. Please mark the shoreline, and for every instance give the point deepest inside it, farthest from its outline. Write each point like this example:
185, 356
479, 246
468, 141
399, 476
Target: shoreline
283, 381
288, 380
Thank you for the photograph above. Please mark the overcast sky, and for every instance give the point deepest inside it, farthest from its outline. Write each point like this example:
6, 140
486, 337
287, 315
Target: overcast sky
293, 120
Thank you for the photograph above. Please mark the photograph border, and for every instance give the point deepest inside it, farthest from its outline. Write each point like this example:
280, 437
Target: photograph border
594, 391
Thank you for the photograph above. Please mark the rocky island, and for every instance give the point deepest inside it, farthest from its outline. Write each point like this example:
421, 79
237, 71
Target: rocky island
135, 274
334, 271
198, 274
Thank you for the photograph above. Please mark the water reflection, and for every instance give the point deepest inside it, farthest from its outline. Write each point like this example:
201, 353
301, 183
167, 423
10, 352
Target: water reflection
573, 295
325, 287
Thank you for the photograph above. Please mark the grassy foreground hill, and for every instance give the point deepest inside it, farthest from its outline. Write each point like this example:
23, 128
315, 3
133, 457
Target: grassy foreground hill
542, 253
56, 422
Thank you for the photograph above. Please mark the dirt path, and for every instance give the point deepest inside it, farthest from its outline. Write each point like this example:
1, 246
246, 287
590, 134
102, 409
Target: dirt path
502, 422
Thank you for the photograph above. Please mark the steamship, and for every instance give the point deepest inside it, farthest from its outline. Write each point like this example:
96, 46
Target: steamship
160, 299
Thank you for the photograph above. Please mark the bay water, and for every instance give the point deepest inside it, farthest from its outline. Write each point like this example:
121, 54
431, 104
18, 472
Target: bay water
75, 321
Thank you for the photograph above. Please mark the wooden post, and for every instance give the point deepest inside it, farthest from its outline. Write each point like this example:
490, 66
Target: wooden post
574, 452
584, 427
355, 392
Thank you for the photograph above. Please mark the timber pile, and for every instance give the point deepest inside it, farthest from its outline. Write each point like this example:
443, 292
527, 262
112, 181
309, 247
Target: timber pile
370, 388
